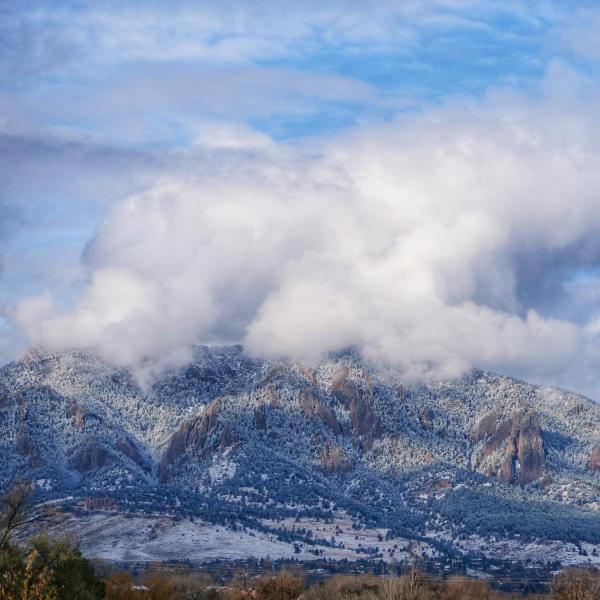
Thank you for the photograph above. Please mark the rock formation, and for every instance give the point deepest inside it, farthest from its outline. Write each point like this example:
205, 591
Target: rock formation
518, 438
194, 434
594, 460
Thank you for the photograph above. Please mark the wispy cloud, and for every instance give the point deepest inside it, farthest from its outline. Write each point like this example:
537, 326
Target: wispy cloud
418, 179
409, 241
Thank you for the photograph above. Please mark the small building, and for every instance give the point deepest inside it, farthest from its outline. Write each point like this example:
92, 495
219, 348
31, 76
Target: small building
99, 504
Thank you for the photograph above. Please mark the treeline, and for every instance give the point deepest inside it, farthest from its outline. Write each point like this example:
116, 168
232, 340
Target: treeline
71, 577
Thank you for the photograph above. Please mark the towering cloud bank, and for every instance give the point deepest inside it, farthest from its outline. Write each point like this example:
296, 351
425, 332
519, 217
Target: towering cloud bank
453, 239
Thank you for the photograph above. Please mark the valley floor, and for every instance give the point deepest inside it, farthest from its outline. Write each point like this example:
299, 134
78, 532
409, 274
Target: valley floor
127, 538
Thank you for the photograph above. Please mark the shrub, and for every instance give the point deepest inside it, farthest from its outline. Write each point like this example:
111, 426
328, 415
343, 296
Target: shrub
280, 587
463, 588
345, 586
72, 573
411, 586
576, 584
47, 569
24, 581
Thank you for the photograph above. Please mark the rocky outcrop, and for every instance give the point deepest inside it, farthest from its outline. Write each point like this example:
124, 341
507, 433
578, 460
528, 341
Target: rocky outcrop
594, 460
75, 412
129, 449
23, 439
362, 416
333, 459
260, 417
228, 437
518, 441
508, 464
310, 375
359, 401
426, 418
196, 434
314, 407
6, 398
342, 387
530, 447
90, 457
272, 397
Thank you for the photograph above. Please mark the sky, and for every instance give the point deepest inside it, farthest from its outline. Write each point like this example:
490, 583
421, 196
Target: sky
418, 180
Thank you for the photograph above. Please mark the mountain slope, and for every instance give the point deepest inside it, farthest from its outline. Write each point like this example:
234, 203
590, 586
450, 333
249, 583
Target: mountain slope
310, 456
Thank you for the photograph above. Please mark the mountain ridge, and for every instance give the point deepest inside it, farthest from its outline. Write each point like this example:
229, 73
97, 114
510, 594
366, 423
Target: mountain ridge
457, 465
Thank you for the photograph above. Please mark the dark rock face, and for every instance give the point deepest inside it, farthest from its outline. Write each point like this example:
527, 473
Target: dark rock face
333, 459
228, 436
594, 460
314, 407
6, 398
260, 417
75, 411
520, 437
359, 401
131, 452
194, 434
508, 464
426, 417
530, 449
23, 440
90, 457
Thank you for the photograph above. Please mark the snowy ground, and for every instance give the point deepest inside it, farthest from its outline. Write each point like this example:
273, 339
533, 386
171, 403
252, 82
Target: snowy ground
532, 552
120, 538
354, 542
124, 538
117, 537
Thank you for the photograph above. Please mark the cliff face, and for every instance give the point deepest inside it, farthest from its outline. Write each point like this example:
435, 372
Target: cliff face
516, 444
357, 397
91, 457
196, 435
314, 407
530, 447
594, 460
333, 459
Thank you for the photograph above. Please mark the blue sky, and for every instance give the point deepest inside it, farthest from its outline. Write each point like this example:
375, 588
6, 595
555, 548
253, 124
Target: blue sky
100, 101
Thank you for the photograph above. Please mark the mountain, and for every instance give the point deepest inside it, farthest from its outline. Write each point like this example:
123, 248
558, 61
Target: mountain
232, 457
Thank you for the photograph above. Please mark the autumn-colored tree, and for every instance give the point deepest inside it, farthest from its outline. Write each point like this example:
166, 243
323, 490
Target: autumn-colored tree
160, 587
118, 586
576, 584
15, 512
20, 581
280, 587
463, 588
363, 587
73, 575
45, 568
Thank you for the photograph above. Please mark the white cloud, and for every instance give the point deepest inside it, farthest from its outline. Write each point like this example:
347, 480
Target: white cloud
407, 240
581, 35
238, 33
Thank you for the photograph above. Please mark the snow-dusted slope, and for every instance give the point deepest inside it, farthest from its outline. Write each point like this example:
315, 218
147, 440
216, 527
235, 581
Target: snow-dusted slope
258, 446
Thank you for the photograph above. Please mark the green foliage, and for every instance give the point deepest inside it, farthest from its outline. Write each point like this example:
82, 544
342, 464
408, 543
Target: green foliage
531, 518
55, 568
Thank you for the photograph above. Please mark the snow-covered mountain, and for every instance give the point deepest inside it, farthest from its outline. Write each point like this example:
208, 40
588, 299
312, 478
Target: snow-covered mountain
342, 460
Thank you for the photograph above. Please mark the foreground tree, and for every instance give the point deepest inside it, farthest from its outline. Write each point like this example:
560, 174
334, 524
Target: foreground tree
20, 581
73, 575
15, 512
576, 584
119, 587
45, 569
280, 587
